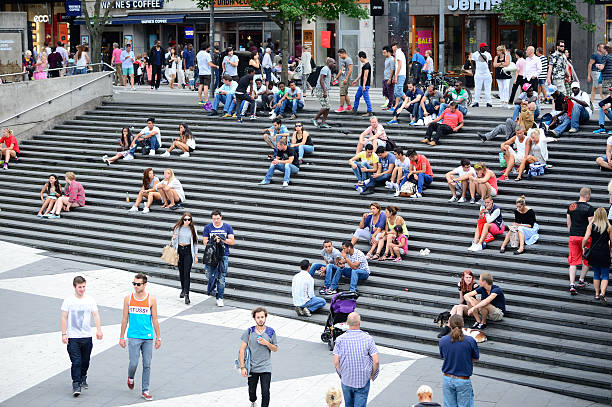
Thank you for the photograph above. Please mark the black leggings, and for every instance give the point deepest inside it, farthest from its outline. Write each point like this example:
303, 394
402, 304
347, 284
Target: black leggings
265, 378
520, 80
185, 260
156, 73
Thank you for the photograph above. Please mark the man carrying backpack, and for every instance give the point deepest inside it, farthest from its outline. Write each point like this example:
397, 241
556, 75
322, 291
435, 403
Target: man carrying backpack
225, 233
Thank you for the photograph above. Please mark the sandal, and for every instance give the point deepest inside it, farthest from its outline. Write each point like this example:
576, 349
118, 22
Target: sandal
597, 297
603, 299
375, 257
517, 179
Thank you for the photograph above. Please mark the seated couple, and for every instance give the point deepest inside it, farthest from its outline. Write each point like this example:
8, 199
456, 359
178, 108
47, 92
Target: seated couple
349, 262
169, 191
383, 229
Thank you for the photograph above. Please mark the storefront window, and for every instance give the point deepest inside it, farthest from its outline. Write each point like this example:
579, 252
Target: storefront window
250, 34
453, 33
399, 24
471, 44
608, 23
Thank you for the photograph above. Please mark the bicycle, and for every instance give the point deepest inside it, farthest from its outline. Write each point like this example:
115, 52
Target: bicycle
442, 82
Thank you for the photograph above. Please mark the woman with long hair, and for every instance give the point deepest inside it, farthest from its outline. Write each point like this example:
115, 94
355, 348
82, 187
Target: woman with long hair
74, 196
371, 228
41, 66
490, 223
502, 60
256, 65
125, 141
49, 194
393, 219
519, 79
149, 182
465, 285
171, 64
184, 142
302, 140
185, 241
524, 225
171, 191
82, 57
599, 232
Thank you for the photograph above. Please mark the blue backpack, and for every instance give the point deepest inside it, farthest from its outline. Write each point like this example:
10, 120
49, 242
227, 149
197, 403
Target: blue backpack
247, 352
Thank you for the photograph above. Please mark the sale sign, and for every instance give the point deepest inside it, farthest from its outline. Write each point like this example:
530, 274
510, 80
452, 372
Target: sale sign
326, 39
425, 40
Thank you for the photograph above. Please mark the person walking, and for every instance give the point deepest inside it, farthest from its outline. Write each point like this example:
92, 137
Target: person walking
258, 343
345, 71
558, 68
481, 66
519, 79
459, 353
185, 241
364, 85
322, 93
127, 65
599, 232
116, 62
223, 231
77, 311
156, 59
356, 362
596, 65
140, 318
542, 91
306, 68
579, 215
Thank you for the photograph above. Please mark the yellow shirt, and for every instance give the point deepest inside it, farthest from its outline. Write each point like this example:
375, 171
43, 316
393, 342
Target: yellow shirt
372, 160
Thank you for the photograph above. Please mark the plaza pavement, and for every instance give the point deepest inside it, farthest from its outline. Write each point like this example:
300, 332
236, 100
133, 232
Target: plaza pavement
194, 366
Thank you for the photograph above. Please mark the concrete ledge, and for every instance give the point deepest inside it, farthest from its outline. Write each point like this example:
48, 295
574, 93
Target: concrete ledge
20, 96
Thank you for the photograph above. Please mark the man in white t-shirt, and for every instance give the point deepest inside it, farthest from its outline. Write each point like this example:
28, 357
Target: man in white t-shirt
205, 64
399, 75
149, 137
402, 167
581, 112
457, 180
77, 311
481, 66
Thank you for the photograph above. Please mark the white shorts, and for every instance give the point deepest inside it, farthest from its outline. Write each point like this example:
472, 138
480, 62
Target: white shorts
364, 234
517, 158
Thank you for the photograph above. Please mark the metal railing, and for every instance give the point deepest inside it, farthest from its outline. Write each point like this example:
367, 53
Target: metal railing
49, 101
74, 67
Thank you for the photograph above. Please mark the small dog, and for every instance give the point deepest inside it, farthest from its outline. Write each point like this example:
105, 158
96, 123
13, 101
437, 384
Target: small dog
479, 336
442, 321
442, 318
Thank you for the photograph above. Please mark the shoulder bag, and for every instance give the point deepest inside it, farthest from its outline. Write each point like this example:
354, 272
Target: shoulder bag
170, 255
586, 253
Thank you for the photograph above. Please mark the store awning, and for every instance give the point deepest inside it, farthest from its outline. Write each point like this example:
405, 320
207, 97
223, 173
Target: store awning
237, 17
143, 19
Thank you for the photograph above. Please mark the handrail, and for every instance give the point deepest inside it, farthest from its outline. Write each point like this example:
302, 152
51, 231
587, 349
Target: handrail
61, 94
55, 69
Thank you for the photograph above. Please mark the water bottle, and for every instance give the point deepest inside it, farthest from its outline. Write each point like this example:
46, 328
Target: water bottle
127, 197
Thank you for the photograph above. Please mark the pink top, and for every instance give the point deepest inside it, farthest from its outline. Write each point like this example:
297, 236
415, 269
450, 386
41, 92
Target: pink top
493, 181
520, 66
403, 242
116, 56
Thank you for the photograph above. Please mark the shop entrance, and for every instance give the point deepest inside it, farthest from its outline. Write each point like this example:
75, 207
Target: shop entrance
511, 36
349, 40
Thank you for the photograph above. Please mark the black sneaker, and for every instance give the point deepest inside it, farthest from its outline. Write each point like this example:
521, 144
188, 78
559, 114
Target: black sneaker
581, 284
482, 326
480, 136
84, 384
489, 105
175, 207
475, 326
573, 290
76, 390
475, 105
213, 113
323, 291
444, 331
329, 291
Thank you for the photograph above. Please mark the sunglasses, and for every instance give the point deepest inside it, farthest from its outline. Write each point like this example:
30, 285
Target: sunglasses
298, 125
137, 284
187, 219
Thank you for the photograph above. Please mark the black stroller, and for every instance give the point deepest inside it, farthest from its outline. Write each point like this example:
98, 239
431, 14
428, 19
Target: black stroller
341, 305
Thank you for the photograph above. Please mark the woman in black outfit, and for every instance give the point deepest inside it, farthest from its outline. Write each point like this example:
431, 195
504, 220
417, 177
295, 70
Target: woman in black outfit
302, 141
524, 224
185, 241
600, 233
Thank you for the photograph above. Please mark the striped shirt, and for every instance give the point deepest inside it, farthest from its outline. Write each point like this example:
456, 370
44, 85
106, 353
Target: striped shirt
355, 349
544, 72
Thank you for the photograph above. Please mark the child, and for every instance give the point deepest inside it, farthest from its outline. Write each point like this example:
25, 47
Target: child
48, 194
399, 245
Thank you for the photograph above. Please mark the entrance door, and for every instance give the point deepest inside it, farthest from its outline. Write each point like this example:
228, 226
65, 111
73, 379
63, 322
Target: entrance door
349, 40
511, 37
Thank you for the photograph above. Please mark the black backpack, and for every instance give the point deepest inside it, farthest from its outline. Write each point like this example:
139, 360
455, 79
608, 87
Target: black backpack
314, 77
213, 253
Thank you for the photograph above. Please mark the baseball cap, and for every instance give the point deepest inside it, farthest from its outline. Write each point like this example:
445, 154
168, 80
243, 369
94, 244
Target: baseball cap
526, 87
482, 44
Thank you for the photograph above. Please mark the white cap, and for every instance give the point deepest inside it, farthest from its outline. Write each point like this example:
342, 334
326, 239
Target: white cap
575, 85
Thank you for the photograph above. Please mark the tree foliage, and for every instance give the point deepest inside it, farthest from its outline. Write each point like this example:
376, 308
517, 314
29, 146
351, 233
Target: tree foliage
283, 12
537, 11
95, 26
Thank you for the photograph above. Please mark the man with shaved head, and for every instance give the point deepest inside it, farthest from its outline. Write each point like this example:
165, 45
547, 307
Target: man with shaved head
533, 67
356, 362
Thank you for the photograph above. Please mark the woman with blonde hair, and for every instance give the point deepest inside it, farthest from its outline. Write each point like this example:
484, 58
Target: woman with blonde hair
171, 191
524, 226
41, 66
599, 232
501, 61
334, 397
185, 241
74, 196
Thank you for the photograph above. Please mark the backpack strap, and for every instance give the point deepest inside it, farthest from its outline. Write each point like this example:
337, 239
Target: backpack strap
270, 332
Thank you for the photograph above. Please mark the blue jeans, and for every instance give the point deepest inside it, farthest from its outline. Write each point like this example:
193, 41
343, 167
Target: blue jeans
268, 74
151, 142
429, 107
227, 100
461, 108
517, 111
216, 76
398, 90
366, 96
304, 149
380, 180
457, 392
287, 169
80, 71
354, 275
314, 304
330, 269
221, 273
355, 397
579, 115
603, 115
295, 106
362, 176
423, 179
135, 348
79, 350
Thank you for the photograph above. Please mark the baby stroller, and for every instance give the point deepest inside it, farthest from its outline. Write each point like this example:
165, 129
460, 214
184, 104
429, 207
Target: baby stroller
341, 305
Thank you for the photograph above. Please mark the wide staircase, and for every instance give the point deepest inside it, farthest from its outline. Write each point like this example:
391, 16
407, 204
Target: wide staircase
548, 340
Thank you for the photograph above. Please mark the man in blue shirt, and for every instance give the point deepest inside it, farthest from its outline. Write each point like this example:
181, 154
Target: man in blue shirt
188, 65
225, 233
459, 352
412, 99
382, 175
225, 95
492, 303
155, 59
418, 61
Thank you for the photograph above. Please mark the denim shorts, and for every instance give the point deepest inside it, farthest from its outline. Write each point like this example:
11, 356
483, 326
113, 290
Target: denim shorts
128, 71
542, 82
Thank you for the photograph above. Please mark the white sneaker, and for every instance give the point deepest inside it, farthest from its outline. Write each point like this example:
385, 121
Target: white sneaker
166, 154
472, 247
389, 184
128, 157
185, 155
146, 210
219, 302
285, 184
572, 130
273, 116
134, 209
133, 88
420, 123
152, 152
477, 247
416, 196
397, 193
461, 200
453, 199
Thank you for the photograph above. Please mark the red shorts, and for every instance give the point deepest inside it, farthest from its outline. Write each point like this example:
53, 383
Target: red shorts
575, 251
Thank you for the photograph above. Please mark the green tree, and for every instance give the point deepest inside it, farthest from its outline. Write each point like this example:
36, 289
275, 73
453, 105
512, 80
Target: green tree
95, 26
284, 12
536, 11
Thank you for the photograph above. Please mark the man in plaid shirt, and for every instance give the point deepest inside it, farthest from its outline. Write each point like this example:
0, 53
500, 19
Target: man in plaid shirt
356, 362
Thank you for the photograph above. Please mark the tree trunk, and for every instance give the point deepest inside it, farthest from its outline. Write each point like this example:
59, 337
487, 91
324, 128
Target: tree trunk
95, 48
285, 49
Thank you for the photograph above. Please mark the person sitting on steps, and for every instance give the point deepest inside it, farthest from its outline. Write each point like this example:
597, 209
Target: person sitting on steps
148, 191
125, 141
484, 183
465, 285
10, 149
74, 197
356, 267
490, 223
513, 156
302, 141
49, 193
386, 164
371, 228
364, 165
285, 161
492, 303
452, 122
225, 95
393, 220
458, 180
524, 226
420, 173
171, 191
184, 142
399, 244
278, 131
536, 150
148, 138
302, 292
374, 135
332, 259
402, 167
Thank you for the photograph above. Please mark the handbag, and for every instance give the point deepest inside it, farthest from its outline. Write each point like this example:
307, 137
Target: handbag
170, 255
408, 189
510, 69
586, 253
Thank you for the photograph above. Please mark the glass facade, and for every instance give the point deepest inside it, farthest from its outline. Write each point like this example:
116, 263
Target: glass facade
399, 23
